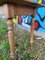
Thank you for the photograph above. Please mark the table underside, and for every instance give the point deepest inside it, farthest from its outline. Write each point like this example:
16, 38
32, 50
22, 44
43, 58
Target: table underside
10, 10
21, 2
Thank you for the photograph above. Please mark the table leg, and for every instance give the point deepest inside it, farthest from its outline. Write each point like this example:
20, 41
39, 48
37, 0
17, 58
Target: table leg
32, 29
11, 38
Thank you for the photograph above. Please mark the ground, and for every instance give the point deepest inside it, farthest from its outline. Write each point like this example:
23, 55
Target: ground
22, 45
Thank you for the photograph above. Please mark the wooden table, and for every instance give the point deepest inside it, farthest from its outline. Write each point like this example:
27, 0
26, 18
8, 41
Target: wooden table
9, 9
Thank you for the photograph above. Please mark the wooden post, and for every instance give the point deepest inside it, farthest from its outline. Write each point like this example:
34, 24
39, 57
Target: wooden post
32, 28
11, 38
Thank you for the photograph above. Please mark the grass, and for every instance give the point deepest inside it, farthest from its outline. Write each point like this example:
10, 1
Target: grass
23, 38
22, 45
4, 44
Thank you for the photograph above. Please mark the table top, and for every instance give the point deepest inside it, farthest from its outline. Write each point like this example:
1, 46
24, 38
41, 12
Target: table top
21, 2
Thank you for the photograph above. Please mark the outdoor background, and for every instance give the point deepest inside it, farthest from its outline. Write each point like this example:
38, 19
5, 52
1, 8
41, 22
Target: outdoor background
22, 37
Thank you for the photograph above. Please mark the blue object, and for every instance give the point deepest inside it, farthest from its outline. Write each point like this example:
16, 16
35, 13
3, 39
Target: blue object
41, 19
29, 19
35, 1
43, 1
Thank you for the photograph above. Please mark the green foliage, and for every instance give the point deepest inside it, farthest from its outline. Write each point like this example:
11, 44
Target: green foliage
22, 44
4, 44
4, 51
26, 55
3, 29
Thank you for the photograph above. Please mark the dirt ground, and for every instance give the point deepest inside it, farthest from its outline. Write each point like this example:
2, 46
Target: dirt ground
38, 49
22, 45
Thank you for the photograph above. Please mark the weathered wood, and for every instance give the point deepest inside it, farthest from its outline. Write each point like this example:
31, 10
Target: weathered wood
32, 33
10, 10
23, 10
11, 38
32, 28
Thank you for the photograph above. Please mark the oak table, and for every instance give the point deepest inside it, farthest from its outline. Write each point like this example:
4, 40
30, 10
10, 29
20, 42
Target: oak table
10, 8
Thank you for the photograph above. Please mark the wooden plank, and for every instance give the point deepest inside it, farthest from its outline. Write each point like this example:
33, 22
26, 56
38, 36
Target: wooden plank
10, 10
32, 29
19, 10
23, 10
